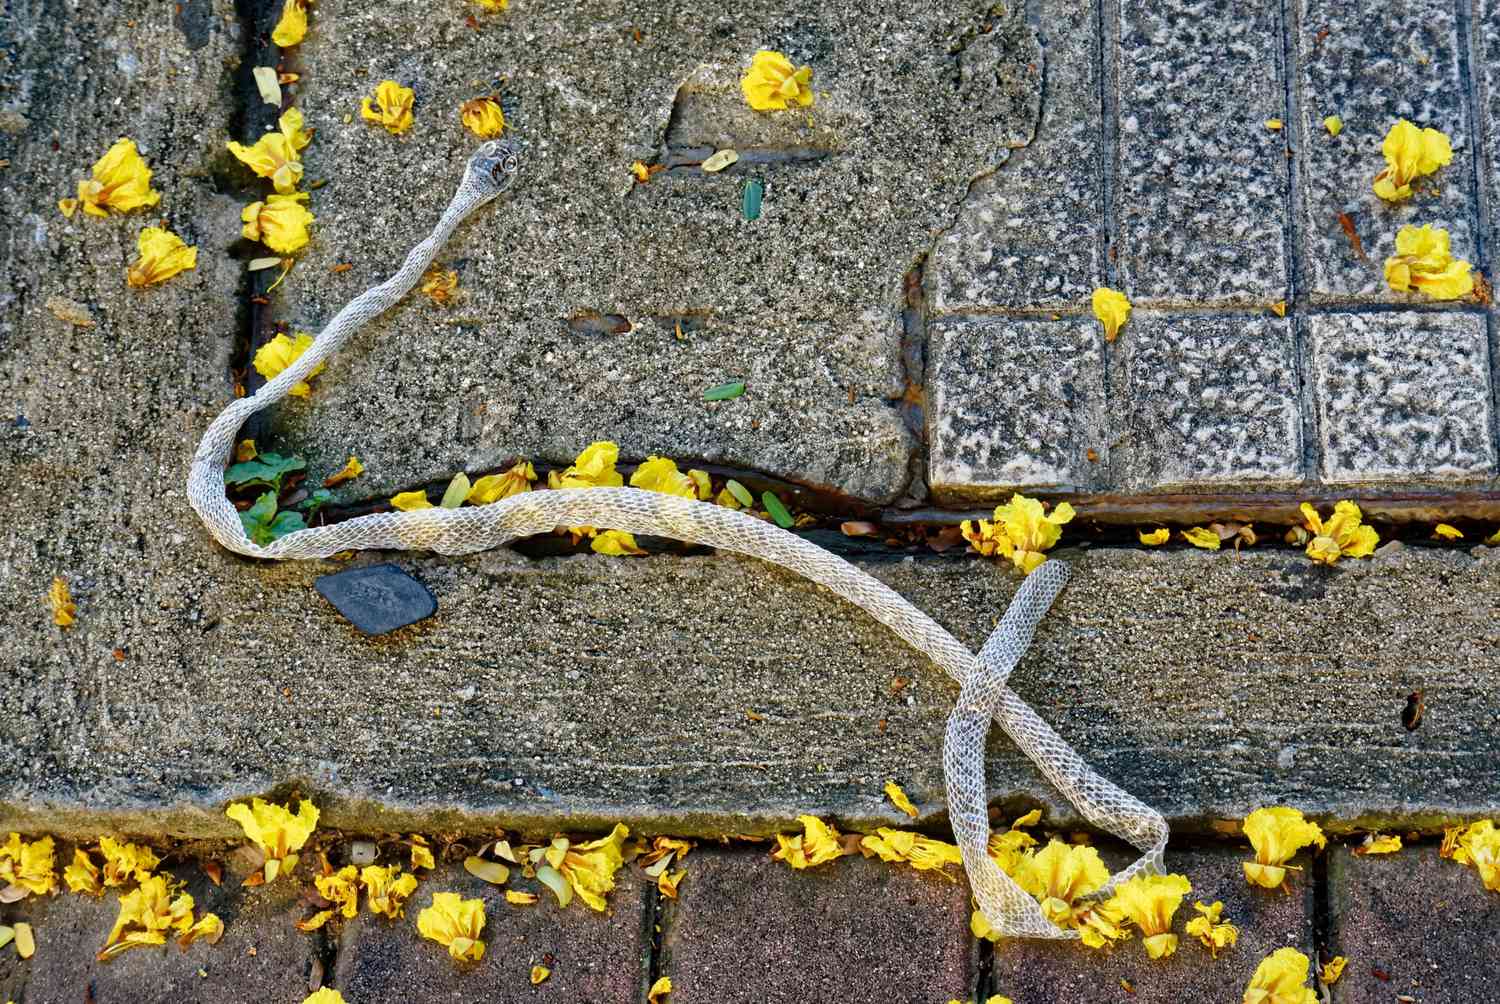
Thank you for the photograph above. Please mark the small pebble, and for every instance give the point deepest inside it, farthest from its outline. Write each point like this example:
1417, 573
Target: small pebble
362, 852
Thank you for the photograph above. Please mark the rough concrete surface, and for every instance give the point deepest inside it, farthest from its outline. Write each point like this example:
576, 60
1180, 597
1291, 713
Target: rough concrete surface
1414, 925
746, 928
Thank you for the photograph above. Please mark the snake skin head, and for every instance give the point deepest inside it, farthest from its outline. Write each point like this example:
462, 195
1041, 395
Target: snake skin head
497, 163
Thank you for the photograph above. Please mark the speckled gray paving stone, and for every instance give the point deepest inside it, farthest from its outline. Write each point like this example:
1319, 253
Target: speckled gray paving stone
911, 108
1013, 403
1200, 182
593, 957
1043, 972
1402, 397
749, 929
1375, 64
262, 955
1428, 924
1208, 400
1029, 236
1485, 45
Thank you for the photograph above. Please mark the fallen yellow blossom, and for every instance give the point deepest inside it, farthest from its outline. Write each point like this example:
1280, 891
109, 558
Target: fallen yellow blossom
1332, 970
482, 117
494, 487
1277, 834
1448, 532
493, 5
1279, 979
163, 255
276, 831
486, 870
773, 83
899, 800
1155, 538
1409, 154
1207, 928
1423, 263
125, 862
922, 853
411, 501
659, 990
352, 469
341, 888
440, 285
667, 883
280, 222
121, 182
595, 468
1200, 536
1149, 901
589, 868
146, 914
517, 898
1112, 310
291, 29
1479, 845
1021, 531
455, 923
1342, 536
82, 876
660, 474
539, 973
207, 928
64, 610
391, 107
1058, 876
275, 155
387, 889
26, 866
327, 995
616, 543
279, 353
1375, 843
1333, 124
817, 844
1100, 925
1010, 848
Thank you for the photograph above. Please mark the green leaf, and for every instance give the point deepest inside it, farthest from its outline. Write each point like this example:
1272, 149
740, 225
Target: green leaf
317, 500
458, 490
776, 509
257, 519
267, 469
285, 523
750, 202
740, 492
725, 391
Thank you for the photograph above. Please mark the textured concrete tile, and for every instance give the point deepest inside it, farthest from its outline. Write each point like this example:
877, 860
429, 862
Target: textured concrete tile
1372, 64
593, 957
1013, 403
1208, 400
1402, 397
1485, 32
262, 955
1030, 234
1200, 182
746, 928
1429, 925
1041, 972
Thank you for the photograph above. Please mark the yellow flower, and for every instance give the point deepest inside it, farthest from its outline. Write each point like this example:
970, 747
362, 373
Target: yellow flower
292, 27
1409, 153
391, 107
1202, 537
277, 832
1333, 124
1375, 843
64, 610
411, 501
387, 889
27, 866
1207, 929
494, 487
421, 854
660, 474
1423, 263
1100, 924
1010, 848
341, 888
439, 285
150, 910
82, 875
1479, 845
163, 255
594, 468
280, 222
1279, 979
1112, 310
125, 863
1342, 536
772, 83
1277, 834
482, 117
1058, 876
1020, 532
326, 995
352, 469
454, 922
1156, 537
279, 353
590, 867
1332, 970
275, 155
899, 800
659, 990
818, 844
121, 181
1150, 901
922, 853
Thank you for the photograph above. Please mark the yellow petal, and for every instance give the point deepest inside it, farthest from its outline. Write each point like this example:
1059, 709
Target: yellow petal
82, 876
390, 108
279, 353
352, 469
25, 941
64, 610
482, 117
280, 222
517, 898
440, 285
1273, 124
411, 501
660, 474
539, 973
1376, 843
163, 255
659, 990
1202, 537
1333, 124
816, 845
1279, 979
494, 487
1155, 538
1447, 532
1493, 540
292, 27
455, 923
121, 182
617, 543
899, 800
1112, 310
1332, 970
772, 83
492, 872
667, 883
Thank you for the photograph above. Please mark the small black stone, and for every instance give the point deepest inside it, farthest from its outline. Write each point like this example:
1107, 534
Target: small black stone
378, 598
